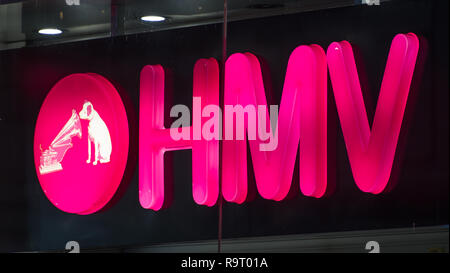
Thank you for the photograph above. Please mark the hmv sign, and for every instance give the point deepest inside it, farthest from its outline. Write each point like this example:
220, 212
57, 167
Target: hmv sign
81, 138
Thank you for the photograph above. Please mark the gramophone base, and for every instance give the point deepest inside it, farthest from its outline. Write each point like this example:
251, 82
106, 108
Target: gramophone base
50, 168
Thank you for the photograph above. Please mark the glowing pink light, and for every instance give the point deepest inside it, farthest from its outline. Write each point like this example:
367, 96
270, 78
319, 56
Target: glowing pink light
84, 110
371, 151
154, 139
80, 110
302, 116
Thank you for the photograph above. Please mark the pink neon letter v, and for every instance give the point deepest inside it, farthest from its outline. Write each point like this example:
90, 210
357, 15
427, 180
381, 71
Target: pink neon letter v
371, 152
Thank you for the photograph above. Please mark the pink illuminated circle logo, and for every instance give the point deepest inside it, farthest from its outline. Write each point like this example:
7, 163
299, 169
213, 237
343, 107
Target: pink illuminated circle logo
81, 143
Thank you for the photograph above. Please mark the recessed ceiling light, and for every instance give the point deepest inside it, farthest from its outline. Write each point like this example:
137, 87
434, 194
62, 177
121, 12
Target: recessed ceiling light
153, 18
50, 31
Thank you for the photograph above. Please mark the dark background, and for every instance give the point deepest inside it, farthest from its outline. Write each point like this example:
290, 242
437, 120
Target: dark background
420, 196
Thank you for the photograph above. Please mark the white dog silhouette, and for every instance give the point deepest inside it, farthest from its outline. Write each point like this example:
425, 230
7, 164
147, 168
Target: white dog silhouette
98, 135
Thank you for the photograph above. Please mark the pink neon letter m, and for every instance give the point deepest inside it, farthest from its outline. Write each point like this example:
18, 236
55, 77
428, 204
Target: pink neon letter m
302, 117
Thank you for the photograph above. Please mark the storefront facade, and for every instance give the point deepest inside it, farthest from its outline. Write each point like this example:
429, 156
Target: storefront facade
198, 198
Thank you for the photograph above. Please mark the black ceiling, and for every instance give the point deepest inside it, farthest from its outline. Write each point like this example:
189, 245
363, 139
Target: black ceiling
100, 18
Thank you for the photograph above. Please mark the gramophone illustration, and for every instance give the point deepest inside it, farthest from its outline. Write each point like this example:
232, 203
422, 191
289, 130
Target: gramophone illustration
50, 159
